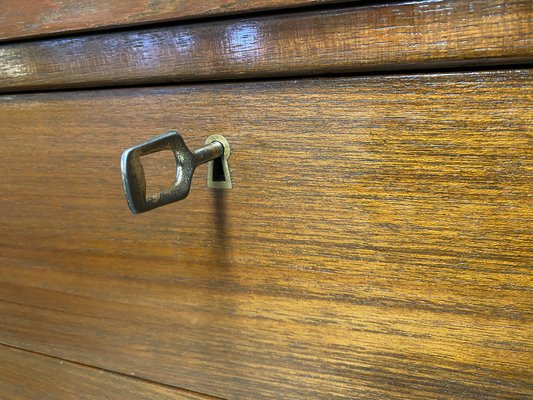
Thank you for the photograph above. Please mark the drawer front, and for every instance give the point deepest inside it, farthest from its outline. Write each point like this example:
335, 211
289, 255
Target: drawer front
376, 242
379, 37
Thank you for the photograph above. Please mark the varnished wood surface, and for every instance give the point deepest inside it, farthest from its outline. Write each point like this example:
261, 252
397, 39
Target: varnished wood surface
376, 244
382, 37
25, 376
32, 18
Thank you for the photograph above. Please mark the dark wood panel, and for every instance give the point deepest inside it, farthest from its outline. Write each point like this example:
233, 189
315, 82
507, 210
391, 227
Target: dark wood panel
25, 375
377, 242
391, 36
32, 18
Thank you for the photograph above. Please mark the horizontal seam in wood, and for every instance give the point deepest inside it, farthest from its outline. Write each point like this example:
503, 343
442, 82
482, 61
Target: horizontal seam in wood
522, 64
119, 374
275, 12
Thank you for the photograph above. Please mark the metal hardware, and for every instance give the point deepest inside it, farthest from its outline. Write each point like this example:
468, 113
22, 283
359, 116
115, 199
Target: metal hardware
223, 168
134, 181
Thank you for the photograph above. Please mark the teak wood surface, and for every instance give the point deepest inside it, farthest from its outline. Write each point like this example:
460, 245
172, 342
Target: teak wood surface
421, 34
377, 242
32, 18
28, 376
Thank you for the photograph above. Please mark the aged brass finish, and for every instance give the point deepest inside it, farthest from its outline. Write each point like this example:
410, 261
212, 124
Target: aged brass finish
218, 175
134, 181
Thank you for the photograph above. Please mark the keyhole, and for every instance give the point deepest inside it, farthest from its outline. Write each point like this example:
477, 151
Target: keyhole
218, 175
218, 170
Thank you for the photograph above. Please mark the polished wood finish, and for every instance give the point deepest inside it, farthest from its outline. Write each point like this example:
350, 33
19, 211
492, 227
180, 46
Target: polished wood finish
31, 18
392, 36
25, 375
377, 242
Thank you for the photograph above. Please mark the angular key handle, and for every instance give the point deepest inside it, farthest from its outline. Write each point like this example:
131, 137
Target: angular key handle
134, 181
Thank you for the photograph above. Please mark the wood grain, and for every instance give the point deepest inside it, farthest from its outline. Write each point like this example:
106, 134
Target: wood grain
420, 34
32, 18
25, 375
377, 242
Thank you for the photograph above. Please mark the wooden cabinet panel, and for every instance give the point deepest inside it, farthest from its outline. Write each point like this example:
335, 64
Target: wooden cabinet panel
31, 18
25, 375
413, 35
376, 244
